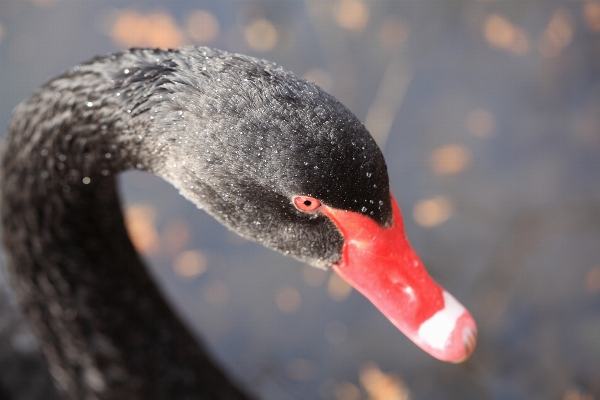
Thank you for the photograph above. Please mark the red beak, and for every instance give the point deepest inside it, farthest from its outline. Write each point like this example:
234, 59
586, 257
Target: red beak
381, 264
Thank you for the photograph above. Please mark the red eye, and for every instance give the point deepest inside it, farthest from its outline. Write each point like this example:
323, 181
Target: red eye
305, 203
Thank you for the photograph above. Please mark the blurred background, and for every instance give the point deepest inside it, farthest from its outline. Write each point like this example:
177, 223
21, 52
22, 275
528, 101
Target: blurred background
488, 113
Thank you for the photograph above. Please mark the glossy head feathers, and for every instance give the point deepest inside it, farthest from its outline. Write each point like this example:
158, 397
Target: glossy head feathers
241, 136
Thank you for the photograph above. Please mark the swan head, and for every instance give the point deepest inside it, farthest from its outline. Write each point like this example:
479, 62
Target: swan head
280, 161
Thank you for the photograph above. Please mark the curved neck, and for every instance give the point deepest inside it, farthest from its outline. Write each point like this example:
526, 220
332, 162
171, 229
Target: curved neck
103, 325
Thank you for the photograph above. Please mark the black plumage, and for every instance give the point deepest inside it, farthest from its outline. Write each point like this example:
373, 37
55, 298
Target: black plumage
237, 136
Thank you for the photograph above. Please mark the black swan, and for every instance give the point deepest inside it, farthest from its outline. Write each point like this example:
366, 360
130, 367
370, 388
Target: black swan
268, 154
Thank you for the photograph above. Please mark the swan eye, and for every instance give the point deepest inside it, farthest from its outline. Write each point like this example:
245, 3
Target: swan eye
305, 203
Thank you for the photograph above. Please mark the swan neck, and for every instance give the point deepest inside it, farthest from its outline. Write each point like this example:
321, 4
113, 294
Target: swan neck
102, 323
